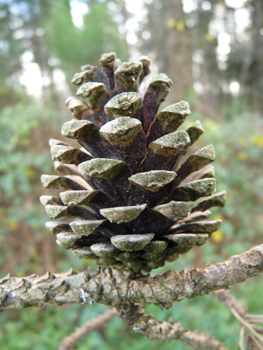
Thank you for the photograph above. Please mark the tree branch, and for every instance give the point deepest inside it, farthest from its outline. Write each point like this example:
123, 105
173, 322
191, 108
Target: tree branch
165, 331
71, 341
113, 286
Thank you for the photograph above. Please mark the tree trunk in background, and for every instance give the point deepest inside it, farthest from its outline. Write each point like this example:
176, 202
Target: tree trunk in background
205, 62
171, 43
177, 56
257, 54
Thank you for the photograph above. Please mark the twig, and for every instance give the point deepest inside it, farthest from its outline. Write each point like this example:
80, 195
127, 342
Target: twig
70, 341
254, 318
242, 337
113, 286
230, 301
258, 340
239, 313
258, 329
166, 331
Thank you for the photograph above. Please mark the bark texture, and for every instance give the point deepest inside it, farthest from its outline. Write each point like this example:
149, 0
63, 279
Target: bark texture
114, 286
165, 331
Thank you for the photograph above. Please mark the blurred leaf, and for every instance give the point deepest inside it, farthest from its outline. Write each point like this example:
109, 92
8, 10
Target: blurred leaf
171, 23
217, 236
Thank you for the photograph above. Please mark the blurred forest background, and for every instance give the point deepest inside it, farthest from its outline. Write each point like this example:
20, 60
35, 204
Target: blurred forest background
213, 52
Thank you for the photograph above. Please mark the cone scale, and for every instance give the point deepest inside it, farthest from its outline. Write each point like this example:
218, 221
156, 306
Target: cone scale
124, 200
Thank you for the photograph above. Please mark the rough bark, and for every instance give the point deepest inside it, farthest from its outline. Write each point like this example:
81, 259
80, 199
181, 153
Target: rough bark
165, 331
114, 287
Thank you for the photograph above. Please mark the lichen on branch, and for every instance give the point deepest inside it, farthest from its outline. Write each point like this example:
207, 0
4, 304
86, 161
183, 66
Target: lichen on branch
114, 286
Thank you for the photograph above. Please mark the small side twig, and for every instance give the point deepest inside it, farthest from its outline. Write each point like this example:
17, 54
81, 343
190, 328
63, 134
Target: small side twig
248, 330
254, 318
71, 340
257, 339
230, 301
166, 331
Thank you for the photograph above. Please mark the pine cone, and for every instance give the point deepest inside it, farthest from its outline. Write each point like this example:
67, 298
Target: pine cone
130, 189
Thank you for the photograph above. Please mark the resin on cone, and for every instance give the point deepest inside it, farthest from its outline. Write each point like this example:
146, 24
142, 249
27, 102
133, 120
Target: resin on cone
131, 197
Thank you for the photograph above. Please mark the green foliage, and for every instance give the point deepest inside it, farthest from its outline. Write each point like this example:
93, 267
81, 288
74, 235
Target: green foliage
20, 128
78, 46
24, 133
9, 48
239, 145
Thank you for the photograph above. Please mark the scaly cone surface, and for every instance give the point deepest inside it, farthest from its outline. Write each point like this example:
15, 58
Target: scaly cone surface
130, 196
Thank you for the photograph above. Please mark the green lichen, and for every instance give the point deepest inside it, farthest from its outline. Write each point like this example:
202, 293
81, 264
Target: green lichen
205, 187
103, 168
153, 180
87, 75
208, 226
128, 73
78, 129
108, 60
128, 256
131, 243
195, 131
174, 210
121, 131
56, 211
85, 227
160, 85
216, 200
92, 93
170, 144
56, 227
121, 215
77, 197
125, 104
103, 250
84, 253
173, 116
67, 239
76, 107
